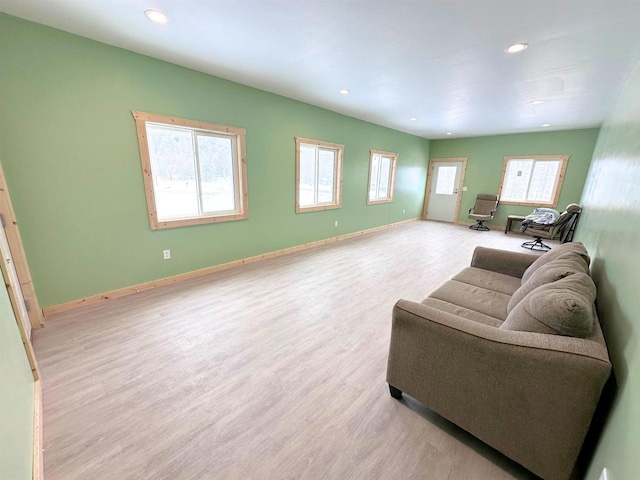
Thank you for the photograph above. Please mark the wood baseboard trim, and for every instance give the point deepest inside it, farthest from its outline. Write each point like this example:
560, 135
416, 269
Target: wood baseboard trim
93, 299
38, 444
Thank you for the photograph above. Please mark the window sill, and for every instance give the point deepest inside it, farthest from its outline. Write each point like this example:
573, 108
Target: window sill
186, 222
317, 208
529, 204
376, 202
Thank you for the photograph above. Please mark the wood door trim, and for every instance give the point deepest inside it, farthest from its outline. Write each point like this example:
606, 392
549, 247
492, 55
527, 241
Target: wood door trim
18, 310
17, 254
432, 162
38, 433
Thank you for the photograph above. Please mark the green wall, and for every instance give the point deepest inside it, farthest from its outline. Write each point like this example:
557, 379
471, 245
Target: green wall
70, 154
486, 160
610, 228
16, 398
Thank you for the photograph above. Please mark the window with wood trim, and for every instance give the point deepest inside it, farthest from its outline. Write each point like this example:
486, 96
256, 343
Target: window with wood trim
194, 172
318, 175
534, 180
382, 172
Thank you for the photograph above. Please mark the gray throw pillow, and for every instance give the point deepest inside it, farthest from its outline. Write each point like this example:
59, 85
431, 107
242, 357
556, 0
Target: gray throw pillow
575, 248
564, 307
560, 267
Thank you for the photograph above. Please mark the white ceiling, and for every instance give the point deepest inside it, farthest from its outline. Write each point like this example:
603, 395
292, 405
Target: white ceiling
440, 61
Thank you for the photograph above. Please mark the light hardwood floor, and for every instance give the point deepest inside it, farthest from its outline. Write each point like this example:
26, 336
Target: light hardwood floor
274, 370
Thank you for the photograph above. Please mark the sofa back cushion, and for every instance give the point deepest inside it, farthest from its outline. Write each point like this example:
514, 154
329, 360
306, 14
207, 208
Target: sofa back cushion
564, 307
560, 267
574, 248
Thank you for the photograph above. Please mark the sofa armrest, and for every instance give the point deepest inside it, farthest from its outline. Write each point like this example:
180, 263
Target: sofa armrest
502, 261
529, 395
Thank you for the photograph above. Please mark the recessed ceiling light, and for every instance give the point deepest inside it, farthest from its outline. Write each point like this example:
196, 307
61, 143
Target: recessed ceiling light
536, 102
413, 119
156, 16
449, 133
545, 125
516, 47
345, 91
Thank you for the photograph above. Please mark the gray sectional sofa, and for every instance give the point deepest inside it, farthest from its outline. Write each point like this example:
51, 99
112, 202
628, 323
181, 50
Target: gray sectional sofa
510, 349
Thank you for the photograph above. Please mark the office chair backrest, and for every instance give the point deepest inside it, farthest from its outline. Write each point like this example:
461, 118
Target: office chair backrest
485, 204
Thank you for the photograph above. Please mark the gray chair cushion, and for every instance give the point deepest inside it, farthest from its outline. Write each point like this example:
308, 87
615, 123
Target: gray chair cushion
575, 248
474, 216
560, 267
564, 307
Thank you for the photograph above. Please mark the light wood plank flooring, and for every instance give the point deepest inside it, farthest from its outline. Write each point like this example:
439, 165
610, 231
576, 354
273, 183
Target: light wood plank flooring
274, 370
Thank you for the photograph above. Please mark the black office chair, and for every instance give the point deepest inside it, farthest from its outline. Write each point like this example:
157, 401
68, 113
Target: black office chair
483, 211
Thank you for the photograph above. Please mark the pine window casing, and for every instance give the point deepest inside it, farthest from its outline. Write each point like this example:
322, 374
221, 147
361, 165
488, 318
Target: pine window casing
201, 132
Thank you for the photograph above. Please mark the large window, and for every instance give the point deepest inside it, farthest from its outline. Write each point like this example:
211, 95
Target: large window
534, 180
318, 175
382, 170
194, 172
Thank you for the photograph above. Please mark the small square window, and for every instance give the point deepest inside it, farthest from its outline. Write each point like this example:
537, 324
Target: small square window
194, 172
318, 174
382, 170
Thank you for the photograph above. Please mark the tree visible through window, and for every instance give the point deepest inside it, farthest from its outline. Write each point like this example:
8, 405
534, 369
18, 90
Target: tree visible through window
318, 170
534, 180
194, 172
382, 169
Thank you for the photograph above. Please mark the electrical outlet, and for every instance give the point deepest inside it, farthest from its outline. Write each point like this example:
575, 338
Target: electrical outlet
403, 211
464, 189
604, 475
336, 223
166, 254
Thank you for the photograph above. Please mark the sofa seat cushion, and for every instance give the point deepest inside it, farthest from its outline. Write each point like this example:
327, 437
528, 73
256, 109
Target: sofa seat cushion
560, 267
564, 307
482, 300
462, 312
574, 248
498, 282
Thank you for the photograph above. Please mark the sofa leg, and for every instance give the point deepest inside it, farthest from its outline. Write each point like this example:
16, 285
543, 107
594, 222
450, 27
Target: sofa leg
395, 393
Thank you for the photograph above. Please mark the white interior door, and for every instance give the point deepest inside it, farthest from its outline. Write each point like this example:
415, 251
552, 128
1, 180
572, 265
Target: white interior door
12, 282
443, 198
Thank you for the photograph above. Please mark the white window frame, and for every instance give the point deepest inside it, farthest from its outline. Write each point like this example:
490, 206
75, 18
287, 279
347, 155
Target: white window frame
241, 211
557, 188
337, 177
392, 177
